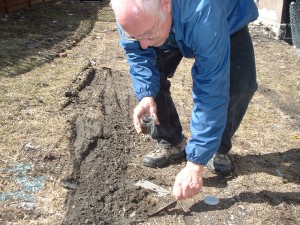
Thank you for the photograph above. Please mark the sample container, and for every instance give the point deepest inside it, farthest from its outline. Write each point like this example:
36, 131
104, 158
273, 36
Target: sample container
147, 122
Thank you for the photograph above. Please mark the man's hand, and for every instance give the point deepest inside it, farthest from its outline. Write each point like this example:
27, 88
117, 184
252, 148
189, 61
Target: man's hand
146, 106
188, 182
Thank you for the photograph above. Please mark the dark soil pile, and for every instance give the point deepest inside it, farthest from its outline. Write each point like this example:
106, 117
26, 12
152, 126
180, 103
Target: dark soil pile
101, 143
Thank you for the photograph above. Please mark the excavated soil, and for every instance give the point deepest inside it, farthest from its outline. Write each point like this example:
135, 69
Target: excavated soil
102, 141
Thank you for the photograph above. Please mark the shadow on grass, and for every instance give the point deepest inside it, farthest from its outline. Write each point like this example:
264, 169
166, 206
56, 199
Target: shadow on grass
268, 197
281, 164
34, 36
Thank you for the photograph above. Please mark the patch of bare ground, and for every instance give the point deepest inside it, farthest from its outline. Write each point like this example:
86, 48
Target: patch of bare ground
67, 122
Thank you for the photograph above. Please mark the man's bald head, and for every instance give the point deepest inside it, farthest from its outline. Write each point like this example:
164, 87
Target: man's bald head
127, 6
132, 9
147, 21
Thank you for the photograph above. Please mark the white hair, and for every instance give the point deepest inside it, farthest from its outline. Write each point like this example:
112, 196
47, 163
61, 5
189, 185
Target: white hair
151, 7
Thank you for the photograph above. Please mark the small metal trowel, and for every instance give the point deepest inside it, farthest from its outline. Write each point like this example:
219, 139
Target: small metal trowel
164, 208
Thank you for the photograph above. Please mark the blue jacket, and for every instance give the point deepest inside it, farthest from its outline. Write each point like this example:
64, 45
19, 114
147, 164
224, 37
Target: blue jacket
200, 29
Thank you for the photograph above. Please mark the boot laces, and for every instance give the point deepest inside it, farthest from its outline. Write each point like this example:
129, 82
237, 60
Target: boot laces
163, 145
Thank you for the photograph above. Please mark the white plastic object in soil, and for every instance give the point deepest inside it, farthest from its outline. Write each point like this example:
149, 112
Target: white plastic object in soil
151, 186
211, 200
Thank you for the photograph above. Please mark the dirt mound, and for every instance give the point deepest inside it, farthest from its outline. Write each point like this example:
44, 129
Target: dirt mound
101, 144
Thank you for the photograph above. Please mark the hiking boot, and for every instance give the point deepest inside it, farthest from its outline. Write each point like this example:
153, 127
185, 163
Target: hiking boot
220, 164
164, 153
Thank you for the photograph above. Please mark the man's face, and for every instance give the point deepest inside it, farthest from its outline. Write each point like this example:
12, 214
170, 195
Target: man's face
148, 30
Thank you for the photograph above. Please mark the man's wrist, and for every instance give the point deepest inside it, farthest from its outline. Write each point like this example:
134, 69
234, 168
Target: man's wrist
195, 167
147, 97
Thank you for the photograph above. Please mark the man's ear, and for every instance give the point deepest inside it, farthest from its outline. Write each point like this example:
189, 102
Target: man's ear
166, 5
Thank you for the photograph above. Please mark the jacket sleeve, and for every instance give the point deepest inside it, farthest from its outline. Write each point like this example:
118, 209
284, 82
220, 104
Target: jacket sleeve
144, 74
210, 40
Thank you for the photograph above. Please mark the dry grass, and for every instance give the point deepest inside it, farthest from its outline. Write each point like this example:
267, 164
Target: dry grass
33, 82
31, 105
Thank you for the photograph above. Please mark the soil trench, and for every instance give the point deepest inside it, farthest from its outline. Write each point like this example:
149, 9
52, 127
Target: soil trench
102, 139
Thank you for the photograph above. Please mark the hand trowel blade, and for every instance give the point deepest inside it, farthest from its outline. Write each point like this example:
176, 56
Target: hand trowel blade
168, 206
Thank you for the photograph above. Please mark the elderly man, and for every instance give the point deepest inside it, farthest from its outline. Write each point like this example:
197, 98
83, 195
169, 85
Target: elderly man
155, 35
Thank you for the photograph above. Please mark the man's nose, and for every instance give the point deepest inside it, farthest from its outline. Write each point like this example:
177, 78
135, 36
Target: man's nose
144, 44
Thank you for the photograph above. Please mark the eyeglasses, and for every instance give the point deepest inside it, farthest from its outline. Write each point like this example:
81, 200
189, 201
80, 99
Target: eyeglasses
127, 37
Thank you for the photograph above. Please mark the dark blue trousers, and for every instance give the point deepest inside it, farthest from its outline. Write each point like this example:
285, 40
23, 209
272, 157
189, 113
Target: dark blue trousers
242, 88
